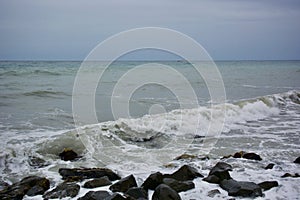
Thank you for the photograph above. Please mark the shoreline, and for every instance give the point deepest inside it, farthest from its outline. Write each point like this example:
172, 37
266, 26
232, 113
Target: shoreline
183, 179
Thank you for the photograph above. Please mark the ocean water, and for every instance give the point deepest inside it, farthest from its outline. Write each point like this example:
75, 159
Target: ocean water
262, 115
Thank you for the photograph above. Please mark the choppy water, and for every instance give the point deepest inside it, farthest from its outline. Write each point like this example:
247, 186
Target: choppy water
262, 115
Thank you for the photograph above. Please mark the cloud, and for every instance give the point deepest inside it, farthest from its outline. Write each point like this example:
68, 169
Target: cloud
69, 29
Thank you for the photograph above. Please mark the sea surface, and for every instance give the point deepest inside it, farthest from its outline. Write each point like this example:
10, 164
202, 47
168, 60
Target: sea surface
262, 115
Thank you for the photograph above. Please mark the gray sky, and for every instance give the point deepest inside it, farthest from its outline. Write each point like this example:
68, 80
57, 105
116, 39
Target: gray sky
227, 29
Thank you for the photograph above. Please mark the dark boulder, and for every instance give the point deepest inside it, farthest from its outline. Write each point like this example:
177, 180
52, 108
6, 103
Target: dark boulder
243, 154
239, 154
95, 195
153, 181
186, 156
184, 173
179, 186
212, 179
241, 188
68, 155
290, 175
164, 192
266, 185
37, 162
297, 160
137, 193
218, 173
88, 173
32, 185
63, 190
252, 156
98, 182
3, 185
117, 196
213, 193
74, 179
35, 190
124, 184
270, 166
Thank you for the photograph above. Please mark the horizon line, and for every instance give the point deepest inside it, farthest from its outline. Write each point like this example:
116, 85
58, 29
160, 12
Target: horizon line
137, 60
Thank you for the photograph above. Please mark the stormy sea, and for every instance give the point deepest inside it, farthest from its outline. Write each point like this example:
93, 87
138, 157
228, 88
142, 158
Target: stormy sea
261, 116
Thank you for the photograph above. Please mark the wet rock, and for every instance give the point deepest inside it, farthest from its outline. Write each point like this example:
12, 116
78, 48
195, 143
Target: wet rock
185, 157
266, 185
179, 186
241, 188
35, 190
270, 166
137, 193
164, 192
218, 173
212, 179
297, 160
95, 195
37, 162
68, 155
117, 196
290, 175
63, 190
243, 154
191, 157
74, 179
213, 193
252, 156
153, 181
184, 173
88, 173
98, 182
239, 154
3, 185
224, 157
32, 185
124, 184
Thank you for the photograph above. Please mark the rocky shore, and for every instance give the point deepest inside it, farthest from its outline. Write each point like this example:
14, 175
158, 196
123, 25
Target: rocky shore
105, 184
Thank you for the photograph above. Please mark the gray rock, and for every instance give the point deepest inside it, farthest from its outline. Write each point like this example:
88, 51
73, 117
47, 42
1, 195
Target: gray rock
88, 173
116, 196
179, 186
252, 156
213, 193
153, 181
98, 182
35, 190
297, 160
68, 155
184, 173
95, 195
241, 188
63, 190
3, 185
124, 184
218, 173
212, 179
290, 175
270, 166
266, 185
164, 192
37, 162
137, 193
20, 189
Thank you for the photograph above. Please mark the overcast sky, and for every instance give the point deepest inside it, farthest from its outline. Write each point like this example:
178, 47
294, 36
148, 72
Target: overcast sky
227, 29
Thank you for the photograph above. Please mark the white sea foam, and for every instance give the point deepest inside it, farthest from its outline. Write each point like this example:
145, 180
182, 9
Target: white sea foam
132, 145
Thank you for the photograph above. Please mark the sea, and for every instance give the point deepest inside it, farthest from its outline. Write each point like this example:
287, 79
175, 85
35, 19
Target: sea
261, 114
